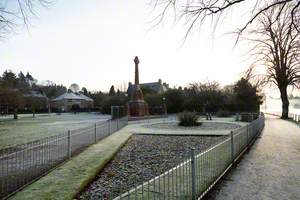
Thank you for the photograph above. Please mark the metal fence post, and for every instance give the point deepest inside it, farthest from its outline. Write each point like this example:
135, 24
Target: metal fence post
193, 165
69, 144
232, 147
95, 128
109, 126
248, 137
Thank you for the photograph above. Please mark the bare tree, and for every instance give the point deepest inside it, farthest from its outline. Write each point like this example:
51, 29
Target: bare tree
277, 35
196, 12
276, 53
12, 98
74, 87
15, 13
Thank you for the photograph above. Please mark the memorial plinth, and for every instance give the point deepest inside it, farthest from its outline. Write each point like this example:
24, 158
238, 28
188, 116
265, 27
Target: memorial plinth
137, 105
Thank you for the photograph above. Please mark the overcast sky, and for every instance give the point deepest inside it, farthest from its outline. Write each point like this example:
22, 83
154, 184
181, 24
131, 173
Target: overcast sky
93, 43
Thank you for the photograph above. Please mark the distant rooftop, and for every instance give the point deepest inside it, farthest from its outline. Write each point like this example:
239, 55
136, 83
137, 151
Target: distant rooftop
35, 94
71, 95
157, 87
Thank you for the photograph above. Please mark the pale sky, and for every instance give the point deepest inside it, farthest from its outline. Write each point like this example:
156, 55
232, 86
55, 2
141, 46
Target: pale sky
93, 43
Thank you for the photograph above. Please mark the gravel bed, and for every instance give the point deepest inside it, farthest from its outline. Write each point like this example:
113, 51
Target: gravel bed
142, 158
205, 126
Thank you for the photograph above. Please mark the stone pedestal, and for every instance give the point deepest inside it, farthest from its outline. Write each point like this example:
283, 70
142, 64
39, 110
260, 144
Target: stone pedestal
138, 108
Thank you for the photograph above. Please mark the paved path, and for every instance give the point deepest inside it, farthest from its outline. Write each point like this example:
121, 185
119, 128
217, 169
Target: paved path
271, 169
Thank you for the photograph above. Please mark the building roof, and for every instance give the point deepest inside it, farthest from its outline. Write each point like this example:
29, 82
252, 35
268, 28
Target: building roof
71, 95
85, 97
35, 94
157, 87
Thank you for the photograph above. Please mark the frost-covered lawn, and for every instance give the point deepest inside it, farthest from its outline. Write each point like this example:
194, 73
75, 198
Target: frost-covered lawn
27, 129
67, 180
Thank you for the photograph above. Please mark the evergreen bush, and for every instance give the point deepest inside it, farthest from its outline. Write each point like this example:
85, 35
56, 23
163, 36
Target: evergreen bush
188, 119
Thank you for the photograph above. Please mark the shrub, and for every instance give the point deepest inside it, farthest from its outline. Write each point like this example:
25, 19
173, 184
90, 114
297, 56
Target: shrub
188, 119
223, 113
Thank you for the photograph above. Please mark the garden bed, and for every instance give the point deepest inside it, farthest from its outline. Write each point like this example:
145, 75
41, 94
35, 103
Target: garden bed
143, 157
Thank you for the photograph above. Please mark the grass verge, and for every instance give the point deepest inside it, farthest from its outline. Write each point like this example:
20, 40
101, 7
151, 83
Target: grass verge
72, 177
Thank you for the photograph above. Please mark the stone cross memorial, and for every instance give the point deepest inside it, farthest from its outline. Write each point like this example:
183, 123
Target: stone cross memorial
137, 106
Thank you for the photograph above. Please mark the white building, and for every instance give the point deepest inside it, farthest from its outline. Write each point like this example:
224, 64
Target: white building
72, 101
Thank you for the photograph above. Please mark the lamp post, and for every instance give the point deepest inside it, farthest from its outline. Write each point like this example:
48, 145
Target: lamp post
126, 108
164, 106
265, 103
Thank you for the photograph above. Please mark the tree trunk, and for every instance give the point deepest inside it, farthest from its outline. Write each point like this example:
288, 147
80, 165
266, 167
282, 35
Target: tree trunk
285, 103
15, 113
33, 111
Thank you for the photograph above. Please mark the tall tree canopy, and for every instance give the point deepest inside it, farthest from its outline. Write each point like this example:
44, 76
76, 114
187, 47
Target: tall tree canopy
112, 91
74, 87
246, 95
15, 13
196, 12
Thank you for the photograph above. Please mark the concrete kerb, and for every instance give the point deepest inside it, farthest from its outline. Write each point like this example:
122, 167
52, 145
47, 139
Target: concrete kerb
144, 128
